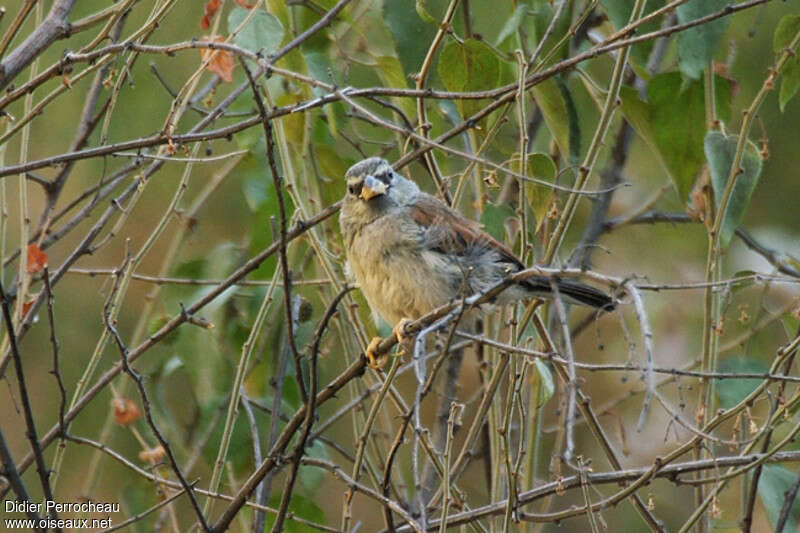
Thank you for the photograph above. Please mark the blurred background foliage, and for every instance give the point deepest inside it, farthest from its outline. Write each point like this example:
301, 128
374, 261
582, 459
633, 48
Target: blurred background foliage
383, 44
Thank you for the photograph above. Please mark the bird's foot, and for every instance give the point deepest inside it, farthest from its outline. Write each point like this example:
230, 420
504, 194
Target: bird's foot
373, 361
399, 330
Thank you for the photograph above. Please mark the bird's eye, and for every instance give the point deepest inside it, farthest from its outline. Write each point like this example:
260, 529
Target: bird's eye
355, 188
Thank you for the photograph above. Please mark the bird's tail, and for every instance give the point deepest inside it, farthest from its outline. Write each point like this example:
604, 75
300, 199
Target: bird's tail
573, 291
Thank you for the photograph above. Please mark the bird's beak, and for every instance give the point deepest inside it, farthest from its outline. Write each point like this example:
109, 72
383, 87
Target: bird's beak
372, 187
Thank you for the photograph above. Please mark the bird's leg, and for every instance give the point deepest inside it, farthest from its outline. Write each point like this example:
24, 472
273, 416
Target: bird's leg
375, 362
399, 330
379, 361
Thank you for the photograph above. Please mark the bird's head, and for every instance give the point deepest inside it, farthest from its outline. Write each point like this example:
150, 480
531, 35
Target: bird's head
369, 180
373, 189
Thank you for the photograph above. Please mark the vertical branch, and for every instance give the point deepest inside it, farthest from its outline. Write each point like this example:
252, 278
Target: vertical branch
277, 181
444, 28
310, 411
62, 404
455, 413
11, 473
137, 379
33, 438
594, 149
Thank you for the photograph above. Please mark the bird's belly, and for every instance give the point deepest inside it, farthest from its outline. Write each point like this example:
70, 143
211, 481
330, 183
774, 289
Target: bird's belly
401, 283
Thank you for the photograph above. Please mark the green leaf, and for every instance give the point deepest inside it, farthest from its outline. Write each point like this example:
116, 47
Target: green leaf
542, 167
550, 100
471, 66
193, 268
390, 71
790, 82
494, 219
720, 152
696, 46
546, 385
677, 119
773, 484
423, 13
412, 36
543, 12
742, 274
785, 32
299, 506
620, 13
672, 123
637, 113
263, 33
512, 23
573, 124
732, 391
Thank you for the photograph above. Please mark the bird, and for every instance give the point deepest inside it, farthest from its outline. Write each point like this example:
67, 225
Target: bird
411, 253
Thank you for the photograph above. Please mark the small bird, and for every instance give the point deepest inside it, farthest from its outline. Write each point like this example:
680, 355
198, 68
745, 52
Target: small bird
411, 253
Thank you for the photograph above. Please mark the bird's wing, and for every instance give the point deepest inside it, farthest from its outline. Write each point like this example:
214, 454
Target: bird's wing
451, 233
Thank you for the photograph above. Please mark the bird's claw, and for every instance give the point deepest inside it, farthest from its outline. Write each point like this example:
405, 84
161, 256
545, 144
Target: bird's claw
373, 361
399, 330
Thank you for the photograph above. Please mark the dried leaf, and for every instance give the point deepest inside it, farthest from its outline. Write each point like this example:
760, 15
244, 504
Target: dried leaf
208, 13
246, 5
152, 455
37, 259
220, 62
125, 411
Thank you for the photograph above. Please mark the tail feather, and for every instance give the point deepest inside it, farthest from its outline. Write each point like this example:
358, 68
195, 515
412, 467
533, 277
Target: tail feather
572, 290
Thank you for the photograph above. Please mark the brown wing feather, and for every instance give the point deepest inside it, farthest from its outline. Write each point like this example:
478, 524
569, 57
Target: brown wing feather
456, 234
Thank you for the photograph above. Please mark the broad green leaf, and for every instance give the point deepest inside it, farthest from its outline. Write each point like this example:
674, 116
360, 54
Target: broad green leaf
732, 391
390, 71
574, 125
619, 12
720, 152
785, 32
774, 483
550, 100
423, 13
546, 385
543, 12
255, 191
320, 67
742, 274
677, 120
696, 46
299, 506
790, 82
539, 197
471, 66
512, 23
263, 32
637, 113
787, 28
494, 218
311, 478
672, 123
412, 36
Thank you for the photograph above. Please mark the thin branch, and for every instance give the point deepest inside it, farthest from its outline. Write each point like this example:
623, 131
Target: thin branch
33, 438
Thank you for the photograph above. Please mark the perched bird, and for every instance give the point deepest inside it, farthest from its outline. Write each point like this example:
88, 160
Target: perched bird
411, 253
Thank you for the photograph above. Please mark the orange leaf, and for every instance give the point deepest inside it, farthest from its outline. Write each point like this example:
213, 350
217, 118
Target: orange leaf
125, 411
221, 61
27, 306
37, 259
208, 13
152, 455
246, 5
